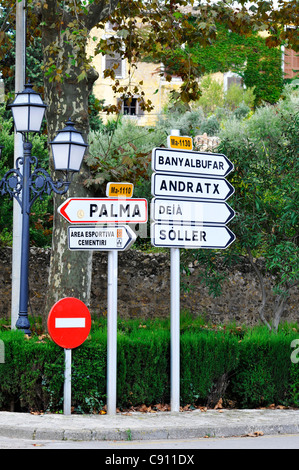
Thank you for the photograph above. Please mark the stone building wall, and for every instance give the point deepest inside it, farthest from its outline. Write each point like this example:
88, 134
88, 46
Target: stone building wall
144, 289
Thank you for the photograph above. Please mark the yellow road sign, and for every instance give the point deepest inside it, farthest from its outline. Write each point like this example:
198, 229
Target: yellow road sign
179, 142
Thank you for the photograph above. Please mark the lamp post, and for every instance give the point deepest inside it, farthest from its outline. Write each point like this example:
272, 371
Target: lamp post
27, 181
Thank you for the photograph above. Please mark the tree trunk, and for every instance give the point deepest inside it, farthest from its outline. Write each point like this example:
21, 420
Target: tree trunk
70, 271
65, 31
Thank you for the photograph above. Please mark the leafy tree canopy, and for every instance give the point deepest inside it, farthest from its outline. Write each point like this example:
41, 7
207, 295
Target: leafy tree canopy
142, 28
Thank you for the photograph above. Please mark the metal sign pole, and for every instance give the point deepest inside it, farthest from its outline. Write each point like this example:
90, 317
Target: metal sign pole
175, 324
189, 191
20, 80
175, 328
112, 331
67, 382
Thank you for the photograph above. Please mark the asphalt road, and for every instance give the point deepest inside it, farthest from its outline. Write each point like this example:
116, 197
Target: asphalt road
285, 441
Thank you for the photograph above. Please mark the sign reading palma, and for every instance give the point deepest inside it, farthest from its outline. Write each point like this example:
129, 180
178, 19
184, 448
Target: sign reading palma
104, 210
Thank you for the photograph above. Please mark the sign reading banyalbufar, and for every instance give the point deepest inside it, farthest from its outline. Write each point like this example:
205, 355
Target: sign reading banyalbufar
104, 210
175, 161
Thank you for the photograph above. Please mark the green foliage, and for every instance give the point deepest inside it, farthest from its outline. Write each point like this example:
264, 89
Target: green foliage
205, 357
33, 63
189, 123
212, 95
264, 150
121, 151
263, 72
264, 369
214, 99
236, 96
143, 367
95, 106
247, 55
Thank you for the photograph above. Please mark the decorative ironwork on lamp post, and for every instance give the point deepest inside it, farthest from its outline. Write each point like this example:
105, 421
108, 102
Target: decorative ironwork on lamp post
28, 181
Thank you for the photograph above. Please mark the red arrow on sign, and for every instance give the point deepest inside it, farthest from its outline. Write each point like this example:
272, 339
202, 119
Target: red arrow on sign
69, 323
104, 210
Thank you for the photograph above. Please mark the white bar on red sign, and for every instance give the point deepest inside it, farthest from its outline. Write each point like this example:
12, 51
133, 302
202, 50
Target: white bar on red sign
75, 322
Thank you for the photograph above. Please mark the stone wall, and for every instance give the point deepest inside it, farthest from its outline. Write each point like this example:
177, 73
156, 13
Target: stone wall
143, 288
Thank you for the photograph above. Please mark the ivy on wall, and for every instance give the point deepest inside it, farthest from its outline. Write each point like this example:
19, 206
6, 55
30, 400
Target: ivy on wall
248, 56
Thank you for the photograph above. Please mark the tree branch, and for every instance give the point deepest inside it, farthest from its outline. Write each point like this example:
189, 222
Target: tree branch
99, 11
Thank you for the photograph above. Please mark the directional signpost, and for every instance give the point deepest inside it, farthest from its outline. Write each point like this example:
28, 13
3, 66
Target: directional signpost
188, 211
191, 187
177, 211
192, 236
104, 210
105, 238
101, 227
185, 162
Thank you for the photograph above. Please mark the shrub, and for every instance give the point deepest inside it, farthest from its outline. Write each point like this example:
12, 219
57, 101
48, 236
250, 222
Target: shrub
264, 371
206, 356
251, 367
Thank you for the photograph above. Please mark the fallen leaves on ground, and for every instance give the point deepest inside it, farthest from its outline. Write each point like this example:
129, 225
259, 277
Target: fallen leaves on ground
254, 434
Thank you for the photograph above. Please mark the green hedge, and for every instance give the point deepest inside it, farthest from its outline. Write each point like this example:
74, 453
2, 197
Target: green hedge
251, 368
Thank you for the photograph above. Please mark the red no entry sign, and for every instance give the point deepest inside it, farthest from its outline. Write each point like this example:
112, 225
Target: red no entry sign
69, 323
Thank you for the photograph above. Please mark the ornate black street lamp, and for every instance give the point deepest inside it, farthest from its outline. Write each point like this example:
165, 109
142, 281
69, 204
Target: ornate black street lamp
27, 181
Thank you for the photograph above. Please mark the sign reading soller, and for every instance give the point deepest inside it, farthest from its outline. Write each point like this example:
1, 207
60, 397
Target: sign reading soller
191, 236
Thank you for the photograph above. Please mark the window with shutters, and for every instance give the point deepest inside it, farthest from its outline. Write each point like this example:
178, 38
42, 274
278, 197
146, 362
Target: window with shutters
115, 62
291, 63
131, 107
290, 57
230, 78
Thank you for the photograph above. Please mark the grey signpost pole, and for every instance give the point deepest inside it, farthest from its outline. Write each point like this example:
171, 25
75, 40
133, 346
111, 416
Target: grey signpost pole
189, 211
175, 323
117, 238
67, 381
18, 152
112, 331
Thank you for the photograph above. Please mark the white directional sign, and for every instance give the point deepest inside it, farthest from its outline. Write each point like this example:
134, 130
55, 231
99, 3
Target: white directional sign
191, 236
187, 162
176, 211
98, 238
191, 187
104, 210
